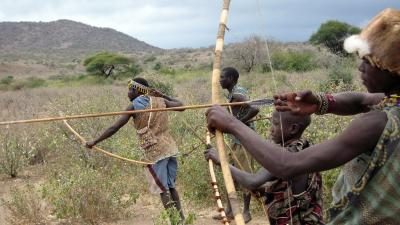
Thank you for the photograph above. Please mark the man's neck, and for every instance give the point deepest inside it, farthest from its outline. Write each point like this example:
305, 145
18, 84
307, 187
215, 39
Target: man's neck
231, 88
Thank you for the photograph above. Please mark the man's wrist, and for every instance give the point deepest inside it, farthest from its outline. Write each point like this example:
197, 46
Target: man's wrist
326, 103
233, 126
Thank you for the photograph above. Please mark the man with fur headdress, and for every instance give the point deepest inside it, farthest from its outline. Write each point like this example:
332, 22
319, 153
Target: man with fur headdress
367, 190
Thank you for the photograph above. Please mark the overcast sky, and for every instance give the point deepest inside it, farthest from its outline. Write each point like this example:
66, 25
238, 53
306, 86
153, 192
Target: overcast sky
193, 23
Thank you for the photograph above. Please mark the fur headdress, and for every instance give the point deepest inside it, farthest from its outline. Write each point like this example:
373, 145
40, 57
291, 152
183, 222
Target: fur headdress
379, 41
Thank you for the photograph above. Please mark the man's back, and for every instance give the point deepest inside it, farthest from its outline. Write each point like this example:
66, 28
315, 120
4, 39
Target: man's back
152, 129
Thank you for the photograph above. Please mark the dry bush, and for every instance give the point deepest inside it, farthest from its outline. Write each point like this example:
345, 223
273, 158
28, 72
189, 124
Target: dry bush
26, 207
83, 185
13, 153
91, 196
246, 55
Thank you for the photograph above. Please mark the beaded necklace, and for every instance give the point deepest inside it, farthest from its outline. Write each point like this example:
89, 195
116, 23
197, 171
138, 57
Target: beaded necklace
392, 100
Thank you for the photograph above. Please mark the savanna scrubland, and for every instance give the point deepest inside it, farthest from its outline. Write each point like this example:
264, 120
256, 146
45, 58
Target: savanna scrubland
48, 177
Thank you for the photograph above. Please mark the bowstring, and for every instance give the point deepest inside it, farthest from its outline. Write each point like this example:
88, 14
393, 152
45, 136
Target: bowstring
261, 15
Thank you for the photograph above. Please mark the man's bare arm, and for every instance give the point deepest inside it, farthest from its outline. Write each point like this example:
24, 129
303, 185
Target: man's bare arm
111, 130
346, 103
169, 101
251, 181
361, 136
245, 179
351, 103
252, 112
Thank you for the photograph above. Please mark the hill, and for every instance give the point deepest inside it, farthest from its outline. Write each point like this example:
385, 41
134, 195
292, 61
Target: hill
63, 39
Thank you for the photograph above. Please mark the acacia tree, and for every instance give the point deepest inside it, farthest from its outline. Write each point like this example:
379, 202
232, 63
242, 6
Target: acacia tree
106, 64
331, 34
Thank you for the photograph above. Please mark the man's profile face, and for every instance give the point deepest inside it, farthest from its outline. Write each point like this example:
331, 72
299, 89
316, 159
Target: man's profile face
224, 80
277, 131
375, 79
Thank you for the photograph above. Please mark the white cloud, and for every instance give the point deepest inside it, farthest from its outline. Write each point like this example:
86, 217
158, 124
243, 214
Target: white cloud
193, 23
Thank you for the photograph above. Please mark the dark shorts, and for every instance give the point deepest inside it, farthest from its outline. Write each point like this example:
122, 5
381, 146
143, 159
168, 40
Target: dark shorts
163, 173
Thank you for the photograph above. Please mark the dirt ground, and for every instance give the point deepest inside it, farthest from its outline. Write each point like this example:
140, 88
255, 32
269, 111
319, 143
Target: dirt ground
146, 210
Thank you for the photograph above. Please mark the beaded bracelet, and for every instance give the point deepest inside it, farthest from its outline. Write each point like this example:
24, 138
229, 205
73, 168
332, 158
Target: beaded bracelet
325, 103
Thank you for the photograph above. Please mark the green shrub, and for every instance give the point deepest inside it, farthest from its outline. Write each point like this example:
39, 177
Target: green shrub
12, 154
164, 87
35, 82
150, 59
171, 216
30, 82
89, 195
7, 80
132, 70
167, 71
291, 61
157, 66
340, 74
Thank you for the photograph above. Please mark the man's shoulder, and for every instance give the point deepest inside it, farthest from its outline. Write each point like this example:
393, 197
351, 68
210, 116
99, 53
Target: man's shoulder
141, 98
373, 118
240, 90
141, 102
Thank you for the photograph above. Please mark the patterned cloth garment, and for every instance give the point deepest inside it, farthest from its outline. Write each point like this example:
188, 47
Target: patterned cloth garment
305, 208
372, 193
238, 90
152, 129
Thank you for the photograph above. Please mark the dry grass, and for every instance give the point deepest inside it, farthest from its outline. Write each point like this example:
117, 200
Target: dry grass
86, 187
26, 207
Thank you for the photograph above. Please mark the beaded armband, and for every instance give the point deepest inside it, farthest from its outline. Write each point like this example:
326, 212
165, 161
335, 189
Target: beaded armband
325, 103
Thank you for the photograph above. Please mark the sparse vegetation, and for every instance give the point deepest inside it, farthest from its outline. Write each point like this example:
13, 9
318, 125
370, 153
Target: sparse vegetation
90, 195
171, 216
26, 207
6, 80
292, 61
340, 74
12, 153
83, 187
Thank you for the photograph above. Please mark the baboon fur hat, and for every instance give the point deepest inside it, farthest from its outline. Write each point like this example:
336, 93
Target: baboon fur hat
379, 41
